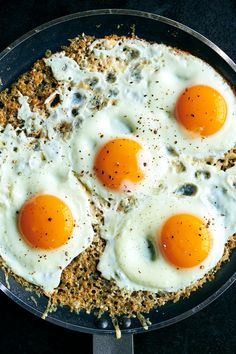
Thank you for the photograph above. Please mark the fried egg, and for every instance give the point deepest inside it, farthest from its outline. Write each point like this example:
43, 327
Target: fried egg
110, 159
45, 216
119, 123
169, 241
199, 107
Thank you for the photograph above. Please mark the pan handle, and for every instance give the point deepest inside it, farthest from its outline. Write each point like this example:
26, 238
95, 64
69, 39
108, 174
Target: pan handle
108, 344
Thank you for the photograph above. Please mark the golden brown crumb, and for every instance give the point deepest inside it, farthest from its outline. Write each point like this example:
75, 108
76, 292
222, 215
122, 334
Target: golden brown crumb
228, 160
38, 84
83, 287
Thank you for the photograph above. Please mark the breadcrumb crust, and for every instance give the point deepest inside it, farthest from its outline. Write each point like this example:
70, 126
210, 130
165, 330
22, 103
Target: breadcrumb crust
82, 286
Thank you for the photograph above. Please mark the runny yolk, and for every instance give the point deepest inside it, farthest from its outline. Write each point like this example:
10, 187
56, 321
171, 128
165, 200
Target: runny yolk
45, 221
116, 164
185, 240
201, 109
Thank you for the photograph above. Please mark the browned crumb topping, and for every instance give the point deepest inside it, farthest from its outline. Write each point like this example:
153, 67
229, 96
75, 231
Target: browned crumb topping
79, 50
9, 107
228, 160
82, 286
38, 84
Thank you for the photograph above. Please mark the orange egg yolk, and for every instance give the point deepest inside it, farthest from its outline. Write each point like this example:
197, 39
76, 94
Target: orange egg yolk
116, 164
201, 109
185, 240
45, 221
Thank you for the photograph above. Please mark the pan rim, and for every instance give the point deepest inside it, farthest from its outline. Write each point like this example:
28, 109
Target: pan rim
117, 11
198, 36
98, 331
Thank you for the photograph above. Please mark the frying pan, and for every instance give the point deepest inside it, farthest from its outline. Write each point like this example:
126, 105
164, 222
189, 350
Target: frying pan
16, 59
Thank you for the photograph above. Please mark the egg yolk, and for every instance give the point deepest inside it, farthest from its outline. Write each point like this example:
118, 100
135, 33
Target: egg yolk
45, 221
116, 164
201, 109
185, 240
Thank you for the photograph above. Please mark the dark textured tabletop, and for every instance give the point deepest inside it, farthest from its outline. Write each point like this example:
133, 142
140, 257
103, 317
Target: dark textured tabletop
212, 330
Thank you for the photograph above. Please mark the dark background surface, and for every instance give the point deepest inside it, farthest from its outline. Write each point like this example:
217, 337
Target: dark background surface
213, 330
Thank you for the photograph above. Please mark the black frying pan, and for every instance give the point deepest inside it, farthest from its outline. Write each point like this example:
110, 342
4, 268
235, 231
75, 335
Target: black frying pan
17, 59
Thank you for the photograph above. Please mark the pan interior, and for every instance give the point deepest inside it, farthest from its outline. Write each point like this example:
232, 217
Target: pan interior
20, 56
